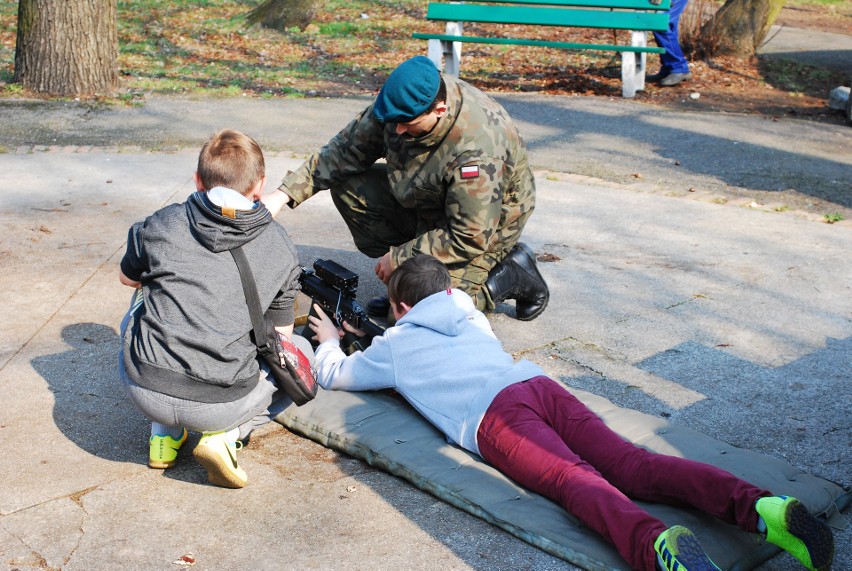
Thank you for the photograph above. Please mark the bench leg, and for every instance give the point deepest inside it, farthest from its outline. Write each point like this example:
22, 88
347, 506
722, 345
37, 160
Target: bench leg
447, 55
633, 66
440, 52
435, 52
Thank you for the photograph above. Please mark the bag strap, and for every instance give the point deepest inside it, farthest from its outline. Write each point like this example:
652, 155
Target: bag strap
252, 299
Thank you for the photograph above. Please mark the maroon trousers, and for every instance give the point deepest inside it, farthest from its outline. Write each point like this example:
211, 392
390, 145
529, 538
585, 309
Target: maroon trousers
546, 440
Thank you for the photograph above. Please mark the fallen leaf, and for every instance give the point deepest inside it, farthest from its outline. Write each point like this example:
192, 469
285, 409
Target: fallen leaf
187, 560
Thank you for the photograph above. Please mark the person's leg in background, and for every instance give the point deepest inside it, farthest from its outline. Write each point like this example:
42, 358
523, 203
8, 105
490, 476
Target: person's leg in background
375, 218
674, 68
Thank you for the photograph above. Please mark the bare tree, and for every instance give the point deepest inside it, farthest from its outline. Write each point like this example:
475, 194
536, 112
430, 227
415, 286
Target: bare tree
740, 26
283, 14
67, 47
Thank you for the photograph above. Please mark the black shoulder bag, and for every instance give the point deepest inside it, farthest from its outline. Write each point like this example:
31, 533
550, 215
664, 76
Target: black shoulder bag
290, 367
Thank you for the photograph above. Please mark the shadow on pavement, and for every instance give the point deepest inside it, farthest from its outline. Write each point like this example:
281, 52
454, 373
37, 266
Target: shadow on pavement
90, 407
680, 150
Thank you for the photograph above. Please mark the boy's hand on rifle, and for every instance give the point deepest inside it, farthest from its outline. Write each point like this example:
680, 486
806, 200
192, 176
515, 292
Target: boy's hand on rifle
348, 327
325, 329
323, 326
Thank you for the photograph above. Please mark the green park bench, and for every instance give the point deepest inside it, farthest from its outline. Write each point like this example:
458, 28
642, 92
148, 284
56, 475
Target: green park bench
637, 16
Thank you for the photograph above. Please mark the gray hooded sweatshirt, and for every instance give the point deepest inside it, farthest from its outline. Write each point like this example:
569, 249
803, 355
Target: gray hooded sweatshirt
192, 338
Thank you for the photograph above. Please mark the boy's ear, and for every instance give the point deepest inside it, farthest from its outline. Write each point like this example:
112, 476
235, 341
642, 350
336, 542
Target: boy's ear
257, 190
403, 308
199, 186
399, 309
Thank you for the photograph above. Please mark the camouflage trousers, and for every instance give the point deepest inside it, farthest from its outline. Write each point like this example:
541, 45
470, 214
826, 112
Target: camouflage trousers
378, 221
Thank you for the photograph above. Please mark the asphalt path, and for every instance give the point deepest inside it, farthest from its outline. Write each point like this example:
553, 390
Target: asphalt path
691, 275
786, 164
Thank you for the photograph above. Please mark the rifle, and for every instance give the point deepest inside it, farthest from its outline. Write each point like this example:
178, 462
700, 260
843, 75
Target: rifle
333, 288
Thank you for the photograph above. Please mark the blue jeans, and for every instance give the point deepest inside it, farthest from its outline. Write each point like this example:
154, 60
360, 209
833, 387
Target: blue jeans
544, 438
673, 61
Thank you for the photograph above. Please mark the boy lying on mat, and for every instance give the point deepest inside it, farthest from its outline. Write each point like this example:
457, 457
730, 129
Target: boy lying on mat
444, 359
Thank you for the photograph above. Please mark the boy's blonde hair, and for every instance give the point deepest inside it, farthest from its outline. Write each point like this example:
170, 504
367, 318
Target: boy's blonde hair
231, 159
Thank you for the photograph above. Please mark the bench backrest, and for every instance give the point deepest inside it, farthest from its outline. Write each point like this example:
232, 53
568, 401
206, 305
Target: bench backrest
626, 4
627, 15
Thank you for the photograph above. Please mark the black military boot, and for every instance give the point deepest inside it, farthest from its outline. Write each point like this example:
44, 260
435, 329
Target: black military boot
378, 306
518, 278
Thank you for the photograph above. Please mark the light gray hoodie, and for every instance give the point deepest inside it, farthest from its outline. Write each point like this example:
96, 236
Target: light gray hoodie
442, 357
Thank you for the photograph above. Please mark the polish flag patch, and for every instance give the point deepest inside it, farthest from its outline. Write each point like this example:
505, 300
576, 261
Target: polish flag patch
470, 171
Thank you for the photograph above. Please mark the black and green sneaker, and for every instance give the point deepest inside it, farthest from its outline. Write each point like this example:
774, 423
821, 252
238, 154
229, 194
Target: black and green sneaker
679, 550
790, 526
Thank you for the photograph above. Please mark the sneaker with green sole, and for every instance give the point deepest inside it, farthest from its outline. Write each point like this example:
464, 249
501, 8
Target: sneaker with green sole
790, 526
219, 456
163, 450
680, 550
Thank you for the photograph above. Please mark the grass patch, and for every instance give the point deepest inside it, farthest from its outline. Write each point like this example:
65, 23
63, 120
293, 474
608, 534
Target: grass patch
192, 47
206, 47
804, 3
797, 78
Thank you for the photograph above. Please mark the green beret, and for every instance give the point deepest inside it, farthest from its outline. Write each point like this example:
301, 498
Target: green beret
408, 91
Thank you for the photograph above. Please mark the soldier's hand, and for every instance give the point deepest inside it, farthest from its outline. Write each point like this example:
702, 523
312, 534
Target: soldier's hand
275, 201
384, 268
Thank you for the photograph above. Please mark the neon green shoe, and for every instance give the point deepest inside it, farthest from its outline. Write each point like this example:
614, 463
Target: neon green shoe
790, 526
163, 451
219, 457
679, 550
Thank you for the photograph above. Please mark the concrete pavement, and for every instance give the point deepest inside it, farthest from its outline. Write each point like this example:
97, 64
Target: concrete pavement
691, 277
735, 321
786, 164
821, 49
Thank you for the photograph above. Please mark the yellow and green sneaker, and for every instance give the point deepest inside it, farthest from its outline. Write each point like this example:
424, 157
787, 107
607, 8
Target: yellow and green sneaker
679, 550
790, 526
163, 450
219, 456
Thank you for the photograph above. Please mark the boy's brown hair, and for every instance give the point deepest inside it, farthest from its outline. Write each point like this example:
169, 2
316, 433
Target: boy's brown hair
231, 159
416, 279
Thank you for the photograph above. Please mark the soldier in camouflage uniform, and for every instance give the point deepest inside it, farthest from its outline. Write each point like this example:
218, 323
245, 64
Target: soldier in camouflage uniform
456, 184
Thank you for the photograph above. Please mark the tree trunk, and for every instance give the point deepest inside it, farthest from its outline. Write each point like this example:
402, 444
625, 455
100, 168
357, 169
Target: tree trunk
67, 47
740, 26
283, 14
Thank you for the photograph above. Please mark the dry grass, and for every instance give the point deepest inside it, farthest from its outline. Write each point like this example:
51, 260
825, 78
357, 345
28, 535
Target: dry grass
206, 48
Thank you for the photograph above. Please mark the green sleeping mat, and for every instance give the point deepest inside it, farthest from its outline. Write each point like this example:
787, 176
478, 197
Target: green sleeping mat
384, 431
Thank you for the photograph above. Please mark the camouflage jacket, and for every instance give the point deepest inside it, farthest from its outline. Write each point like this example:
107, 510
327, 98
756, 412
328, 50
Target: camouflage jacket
467, 179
